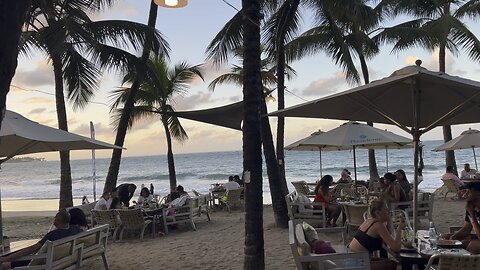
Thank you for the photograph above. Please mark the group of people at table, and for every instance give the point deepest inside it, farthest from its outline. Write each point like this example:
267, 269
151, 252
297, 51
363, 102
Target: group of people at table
373, 235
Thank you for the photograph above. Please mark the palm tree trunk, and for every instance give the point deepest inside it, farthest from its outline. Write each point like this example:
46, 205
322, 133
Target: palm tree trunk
113, 170
278, 186
171, 164
372, 162
252, 145
447, 130
11, 20
66, 198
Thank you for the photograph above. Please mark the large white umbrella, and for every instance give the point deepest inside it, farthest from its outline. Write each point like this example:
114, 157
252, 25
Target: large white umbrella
468, 139
19, 135
412, 98
352, 135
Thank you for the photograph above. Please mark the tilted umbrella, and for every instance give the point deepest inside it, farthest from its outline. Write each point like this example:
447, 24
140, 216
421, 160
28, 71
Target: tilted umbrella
352, 135
468, 139
424, 99
19, 135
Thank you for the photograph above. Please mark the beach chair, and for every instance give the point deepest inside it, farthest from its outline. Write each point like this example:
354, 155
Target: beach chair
200, 205
450, 261
133, 219
300, 209
109, 217
179, 214
232, 198
302, 188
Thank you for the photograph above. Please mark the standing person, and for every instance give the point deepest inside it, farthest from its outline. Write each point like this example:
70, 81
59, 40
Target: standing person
393, 192
125, 193
63, 229
467, 173
373, 233
472, 220
404, 184
104, 202
345, 177
322, 194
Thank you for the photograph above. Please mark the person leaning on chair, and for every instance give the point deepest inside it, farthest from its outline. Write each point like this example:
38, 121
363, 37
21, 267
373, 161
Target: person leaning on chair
63, 229
125, 193
472, 220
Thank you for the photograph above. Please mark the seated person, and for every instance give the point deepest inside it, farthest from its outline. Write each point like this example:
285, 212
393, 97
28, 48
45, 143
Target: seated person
472, 219
231, 184
403, 182
322, 194
78, 218
104, 202
237, 179
145, 197
373, 234
392, 192
63, 229
181, 191
467, 173
449, 175
125, 193
345, 177
115, 201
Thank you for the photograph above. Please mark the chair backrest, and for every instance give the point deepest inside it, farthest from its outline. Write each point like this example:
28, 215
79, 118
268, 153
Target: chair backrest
109, 217
301, 187
290, 198
450, 261
347, 190
451, 185
396, 216
362, 190
354, 213
131, 218
233, 196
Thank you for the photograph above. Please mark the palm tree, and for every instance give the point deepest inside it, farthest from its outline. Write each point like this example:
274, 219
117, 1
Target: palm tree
436, 25
113, 169
267, 71
11, 20
63, 31
343, 33
155, 96
252, 144
224, 45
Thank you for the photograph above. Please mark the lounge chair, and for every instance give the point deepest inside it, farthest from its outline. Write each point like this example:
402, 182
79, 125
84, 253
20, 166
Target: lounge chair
133, 219
302, 188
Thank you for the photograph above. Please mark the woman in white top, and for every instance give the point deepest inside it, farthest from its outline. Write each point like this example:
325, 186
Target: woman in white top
104, 202
145, 197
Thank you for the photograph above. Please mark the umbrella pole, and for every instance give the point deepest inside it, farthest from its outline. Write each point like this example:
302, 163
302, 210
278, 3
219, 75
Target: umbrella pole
386, 156
475, 157
355, 165
321, 173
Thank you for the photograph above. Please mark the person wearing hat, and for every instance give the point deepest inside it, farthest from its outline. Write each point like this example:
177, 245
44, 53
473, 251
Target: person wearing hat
472, 220
467, 173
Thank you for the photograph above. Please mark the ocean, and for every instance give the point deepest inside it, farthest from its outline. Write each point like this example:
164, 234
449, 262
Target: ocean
41, 179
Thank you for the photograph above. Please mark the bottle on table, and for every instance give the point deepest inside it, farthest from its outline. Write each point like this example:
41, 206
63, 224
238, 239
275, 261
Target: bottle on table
432, 234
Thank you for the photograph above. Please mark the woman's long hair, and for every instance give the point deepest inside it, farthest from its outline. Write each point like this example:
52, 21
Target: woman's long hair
324, 184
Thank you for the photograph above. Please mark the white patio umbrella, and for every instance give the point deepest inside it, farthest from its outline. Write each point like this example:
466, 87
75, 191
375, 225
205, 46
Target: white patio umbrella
412, 98
468, 139
352, 135
19, 135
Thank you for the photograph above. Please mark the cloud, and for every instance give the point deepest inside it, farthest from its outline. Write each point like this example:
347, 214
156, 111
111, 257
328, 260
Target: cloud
41, 75
120, 9
37, 111
324, 86
432, 63
100, 128
192, 102
38, 100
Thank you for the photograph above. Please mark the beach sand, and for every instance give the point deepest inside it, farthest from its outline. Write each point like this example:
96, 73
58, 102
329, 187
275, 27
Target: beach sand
217, 244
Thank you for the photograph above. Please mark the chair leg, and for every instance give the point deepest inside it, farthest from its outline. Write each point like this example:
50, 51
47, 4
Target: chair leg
121, 233
165, 226
143, 231
193, 225
208, 215
105, 261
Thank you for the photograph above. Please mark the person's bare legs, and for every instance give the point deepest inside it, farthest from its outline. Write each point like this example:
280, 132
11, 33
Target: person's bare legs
474, 247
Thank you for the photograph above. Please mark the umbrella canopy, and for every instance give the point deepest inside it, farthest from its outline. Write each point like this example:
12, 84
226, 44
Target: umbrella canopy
412, 98
19, 135
350, 135
468, 139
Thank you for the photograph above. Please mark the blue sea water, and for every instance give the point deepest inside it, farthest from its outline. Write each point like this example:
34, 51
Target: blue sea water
41, 179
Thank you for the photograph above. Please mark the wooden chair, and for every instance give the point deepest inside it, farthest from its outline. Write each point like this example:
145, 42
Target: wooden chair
300, 210
109, 217
302, 188
232, 198
449, 261
200, 205
177, 215
133, 219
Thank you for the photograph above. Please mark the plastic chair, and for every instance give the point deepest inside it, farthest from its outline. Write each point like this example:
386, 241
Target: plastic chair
109, 217
132, 219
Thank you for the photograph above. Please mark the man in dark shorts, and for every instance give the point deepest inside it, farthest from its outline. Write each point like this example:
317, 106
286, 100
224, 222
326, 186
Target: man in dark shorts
63, 229
125, 193
472, 219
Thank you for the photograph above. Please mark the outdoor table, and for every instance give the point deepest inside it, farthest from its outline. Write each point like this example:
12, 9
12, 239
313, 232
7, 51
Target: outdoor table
413, 256
155, 214
216, 192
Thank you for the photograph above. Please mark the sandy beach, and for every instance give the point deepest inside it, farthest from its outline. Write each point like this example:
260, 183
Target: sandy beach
217, 244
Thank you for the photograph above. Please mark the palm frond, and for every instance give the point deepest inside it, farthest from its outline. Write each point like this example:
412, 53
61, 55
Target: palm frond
233, 78
470, 8
110, 57
462, 36
174, 126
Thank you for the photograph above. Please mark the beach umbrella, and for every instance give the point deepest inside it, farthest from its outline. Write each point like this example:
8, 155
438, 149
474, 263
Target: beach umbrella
352, 135
468, 139
19, 135
412, 98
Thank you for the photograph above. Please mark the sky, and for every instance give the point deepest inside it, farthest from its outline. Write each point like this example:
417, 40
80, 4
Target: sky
189, 30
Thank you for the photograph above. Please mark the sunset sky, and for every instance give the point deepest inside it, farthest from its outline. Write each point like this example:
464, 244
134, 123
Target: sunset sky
189, 30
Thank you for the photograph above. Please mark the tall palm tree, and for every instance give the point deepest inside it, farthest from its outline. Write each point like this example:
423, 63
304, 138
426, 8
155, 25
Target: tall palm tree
343, 32
267, 71
435, 25
155, 97
224, 45
63, 31
113, 169
252, 144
